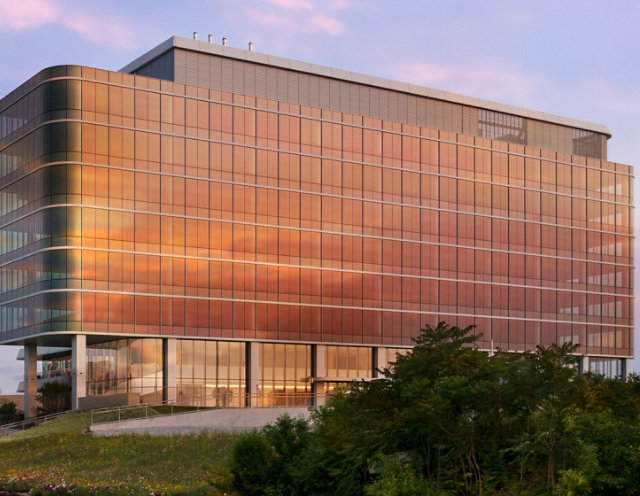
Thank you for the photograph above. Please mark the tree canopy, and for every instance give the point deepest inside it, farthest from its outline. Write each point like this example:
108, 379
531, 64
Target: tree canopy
450, 419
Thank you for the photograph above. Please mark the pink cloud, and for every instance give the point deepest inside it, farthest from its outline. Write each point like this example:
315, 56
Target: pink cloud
100, 30
297, 17
27, 14
292, 4
481, 80
97, 27
328, 24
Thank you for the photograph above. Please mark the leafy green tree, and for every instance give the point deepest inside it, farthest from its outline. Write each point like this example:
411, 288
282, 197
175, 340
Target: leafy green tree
438, 403
54, 397
448, 418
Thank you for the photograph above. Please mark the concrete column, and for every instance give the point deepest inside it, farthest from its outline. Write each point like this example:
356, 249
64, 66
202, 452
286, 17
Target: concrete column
626, 365
585, 364
253, 374
78, 368
379, 361
30, 380
170, 369
319, 370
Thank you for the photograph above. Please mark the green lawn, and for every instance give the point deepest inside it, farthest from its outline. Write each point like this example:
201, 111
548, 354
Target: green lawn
60, 451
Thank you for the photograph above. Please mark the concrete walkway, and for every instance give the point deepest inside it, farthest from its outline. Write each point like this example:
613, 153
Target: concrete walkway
226, 419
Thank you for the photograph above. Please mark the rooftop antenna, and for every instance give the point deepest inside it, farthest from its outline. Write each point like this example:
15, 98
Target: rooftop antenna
224, 41
195, 35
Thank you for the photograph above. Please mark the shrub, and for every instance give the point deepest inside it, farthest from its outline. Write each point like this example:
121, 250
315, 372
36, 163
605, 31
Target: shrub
251, 464
8, 407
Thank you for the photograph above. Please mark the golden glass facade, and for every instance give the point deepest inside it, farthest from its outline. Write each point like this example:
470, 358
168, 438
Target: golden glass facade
140, 207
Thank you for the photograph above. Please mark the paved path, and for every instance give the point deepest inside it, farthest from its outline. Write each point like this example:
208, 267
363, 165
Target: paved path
227, 419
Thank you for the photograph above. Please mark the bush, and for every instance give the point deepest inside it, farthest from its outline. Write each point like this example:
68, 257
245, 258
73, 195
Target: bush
251, 464
397, 478
8, 407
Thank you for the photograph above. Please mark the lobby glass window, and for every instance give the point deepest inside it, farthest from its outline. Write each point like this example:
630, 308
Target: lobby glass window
608, 367
210, 373
285, 374
131, 366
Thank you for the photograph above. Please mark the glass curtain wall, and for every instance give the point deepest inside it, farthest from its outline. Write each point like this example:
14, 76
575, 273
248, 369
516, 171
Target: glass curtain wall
210, 373
347, 363
161, 209
126, 366
285, 374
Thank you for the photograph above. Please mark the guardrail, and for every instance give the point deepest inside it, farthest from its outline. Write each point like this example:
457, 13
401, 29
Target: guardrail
11, 428
168, 408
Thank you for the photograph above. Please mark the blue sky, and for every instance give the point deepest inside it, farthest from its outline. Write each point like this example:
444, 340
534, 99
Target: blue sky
578, 58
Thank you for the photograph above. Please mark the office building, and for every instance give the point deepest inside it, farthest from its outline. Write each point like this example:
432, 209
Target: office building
212, 222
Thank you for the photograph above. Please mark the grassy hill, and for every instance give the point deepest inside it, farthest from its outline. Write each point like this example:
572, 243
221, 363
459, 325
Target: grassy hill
60, 453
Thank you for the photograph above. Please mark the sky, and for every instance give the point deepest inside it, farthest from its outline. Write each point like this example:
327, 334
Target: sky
576, 58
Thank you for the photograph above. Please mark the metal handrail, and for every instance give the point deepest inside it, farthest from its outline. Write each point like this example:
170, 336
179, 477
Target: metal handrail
28, 423
254, 400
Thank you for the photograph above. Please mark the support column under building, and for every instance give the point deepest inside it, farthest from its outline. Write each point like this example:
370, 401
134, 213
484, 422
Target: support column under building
78, 369
319, 371
584, 365
30, 380
379, 361
626, 365
253, 374
170, 368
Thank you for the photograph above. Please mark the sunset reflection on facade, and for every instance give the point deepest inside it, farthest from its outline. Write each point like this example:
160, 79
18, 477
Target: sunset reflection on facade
206, 219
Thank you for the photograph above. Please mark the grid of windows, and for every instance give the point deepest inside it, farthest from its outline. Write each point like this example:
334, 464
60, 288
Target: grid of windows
210, 373
163, 209
349, 361
608, 367
285, 373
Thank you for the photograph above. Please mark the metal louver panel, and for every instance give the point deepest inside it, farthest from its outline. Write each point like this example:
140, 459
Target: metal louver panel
343, 100
412, 104
438, 113
249, 79
271, 83
237, 77
354, 99
334, 94
364, 97
384, 103
226, 75
324, 99
282, 85
191, 69
292, 87
421, 112
314, 91
203, 71
374, 102
456, 118
180, 62
262, 80
215, 70
303, 90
